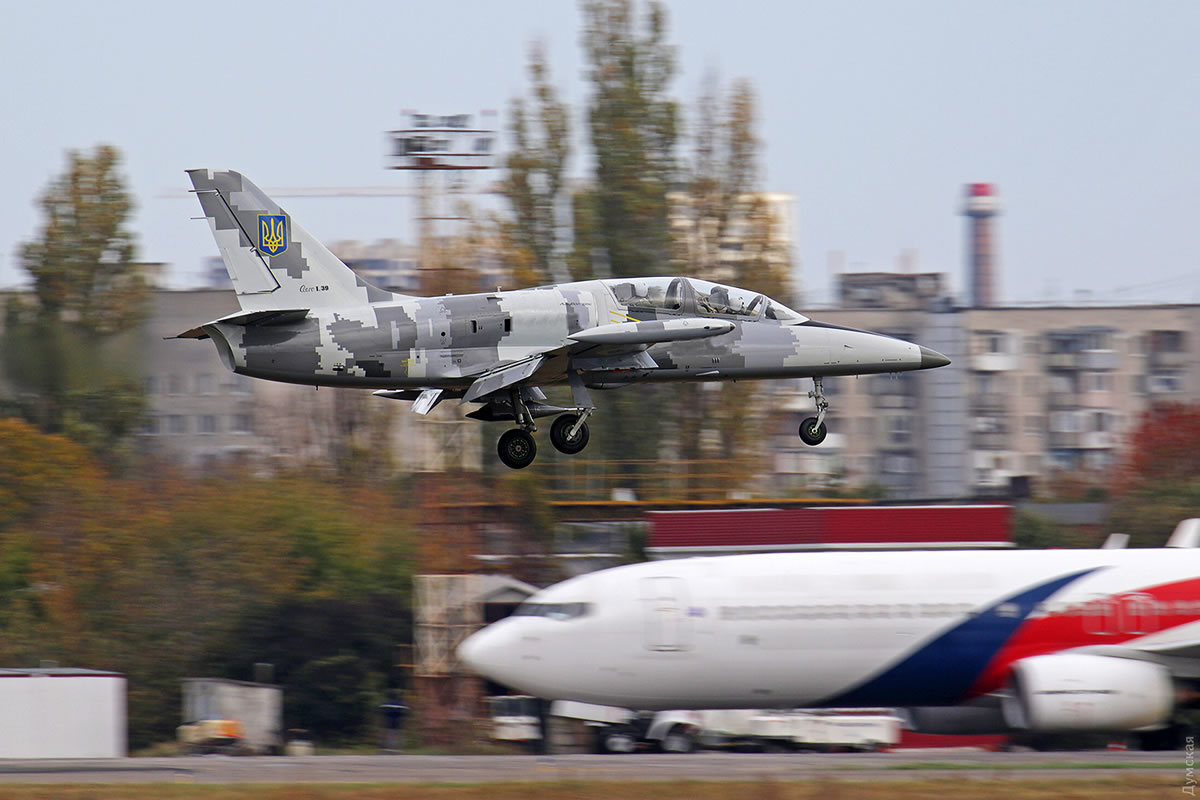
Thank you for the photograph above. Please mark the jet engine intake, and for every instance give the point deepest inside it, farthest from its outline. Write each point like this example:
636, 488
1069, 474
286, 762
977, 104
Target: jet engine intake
1079, 692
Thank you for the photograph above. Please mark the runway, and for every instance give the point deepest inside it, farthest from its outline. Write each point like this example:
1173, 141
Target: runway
902, 765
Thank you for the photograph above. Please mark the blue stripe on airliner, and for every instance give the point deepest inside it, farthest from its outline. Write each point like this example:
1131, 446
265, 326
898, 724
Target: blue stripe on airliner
941, 672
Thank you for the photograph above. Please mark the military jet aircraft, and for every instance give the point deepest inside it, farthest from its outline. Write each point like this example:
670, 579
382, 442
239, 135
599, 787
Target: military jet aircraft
307, 318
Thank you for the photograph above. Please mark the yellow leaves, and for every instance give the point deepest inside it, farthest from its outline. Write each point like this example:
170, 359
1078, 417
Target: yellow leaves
37, 470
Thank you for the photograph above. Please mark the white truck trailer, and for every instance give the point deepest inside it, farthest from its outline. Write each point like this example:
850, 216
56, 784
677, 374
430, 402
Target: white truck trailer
62, 713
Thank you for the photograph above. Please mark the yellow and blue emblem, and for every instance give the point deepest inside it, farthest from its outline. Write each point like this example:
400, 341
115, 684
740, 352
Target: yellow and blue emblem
272, 233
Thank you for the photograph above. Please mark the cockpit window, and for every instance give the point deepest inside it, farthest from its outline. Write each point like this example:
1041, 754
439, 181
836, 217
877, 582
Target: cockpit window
695, 296
553, 610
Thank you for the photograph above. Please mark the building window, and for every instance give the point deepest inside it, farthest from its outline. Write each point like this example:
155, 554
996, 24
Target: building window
900, 430
992, 342
1166, 341
150, 384
205, 383
174, 384
239, 384
1097, 381
151, 426
176, 423
241, 423
208, 423
1166, 382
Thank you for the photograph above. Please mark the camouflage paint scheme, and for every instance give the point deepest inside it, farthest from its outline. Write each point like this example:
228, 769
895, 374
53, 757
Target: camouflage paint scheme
307, 318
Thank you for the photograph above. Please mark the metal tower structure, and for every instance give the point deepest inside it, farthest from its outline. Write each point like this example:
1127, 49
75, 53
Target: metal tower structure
982, 202
441, 151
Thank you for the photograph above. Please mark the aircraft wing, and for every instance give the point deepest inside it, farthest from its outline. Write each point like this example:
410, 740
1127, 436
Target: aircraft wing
497, 378
249, 319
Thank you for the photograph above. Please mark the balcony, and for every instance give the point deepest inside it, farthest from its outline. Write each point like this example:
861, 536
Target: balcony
1098, 360
1173, 360
994, 362
1063, 439
1062, 360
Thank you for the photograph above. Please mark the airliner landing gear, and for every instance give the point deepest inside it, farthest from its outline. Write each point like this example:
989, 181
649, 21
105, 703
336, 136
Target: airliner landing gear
812, 430
516, 448
569, 433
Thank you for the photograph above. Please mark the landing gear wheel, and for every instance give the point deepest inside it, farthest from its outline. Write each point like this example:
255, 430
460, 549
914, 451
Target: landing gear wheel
812, 432
677, 740
618, 741
517, 449
559, 435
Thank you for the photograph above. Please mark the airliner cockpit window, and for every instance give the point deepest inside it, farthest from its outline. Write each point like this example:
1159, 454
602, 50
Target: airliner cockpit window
553, 610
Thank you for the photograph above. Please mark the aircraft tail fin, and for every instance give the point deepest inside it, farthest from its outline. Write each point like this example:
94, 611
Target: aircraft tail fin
273, 262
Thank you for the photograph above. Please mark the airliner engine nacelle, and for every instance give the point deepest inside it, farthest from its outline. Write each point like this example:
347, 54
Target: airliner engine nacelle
1076, 692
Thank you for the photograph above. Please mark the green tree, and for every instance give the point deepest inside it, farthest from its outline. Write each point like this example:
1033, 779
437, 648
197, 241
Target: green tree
534, 184
83, 264
633, 127
69, 349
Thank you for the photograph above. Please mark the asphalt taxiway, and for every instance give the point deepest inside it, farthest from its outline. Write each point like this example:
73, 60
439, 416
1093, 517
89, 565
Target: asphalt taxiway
901, 765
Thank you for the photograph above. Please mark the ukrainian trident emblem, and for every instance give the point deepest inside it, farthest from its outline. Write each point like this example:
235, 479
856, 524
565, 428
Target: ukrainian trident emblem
272, 233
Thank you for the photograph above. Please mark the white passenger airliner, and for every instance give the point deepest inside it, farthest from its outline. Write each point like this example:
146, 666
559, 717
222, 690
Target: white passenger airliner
1058, 640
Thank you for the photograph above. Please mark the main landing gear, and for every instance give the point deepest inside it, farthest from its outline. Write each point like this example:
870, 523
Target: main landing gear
569, 434
812, 430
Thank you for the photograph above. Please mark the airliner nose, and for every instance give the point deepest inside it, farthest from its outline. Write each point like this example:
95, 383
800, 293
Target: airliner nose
932, 358
473, 652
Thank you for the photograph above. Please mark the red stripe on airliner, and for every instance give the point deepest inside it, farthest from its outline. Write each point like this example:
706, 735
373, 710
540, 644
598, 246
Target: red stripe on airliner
1128, 615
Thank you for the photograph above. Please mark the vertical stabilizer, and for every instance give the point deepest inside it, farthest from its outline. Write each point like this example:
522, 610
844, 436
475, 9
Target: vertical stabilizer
274, 263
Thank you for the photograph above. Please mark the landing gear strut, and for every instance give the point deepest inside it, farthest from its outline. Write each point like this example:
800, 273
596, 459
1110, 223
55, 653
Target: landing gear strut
812, 430
516, 448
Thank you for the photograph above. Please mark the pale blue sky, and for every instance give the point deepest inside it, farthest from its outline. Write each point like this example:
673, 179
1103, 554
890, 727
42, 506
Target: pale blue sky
874, 115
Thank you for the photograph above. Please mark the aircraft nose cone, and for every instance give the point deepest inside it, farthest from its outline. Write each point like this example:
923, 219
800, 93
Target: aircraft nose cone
473, 652
932, 358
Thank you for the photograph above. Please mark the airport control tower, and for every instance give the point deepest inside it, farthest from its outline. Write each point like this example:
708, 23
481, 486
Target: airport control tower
981, 204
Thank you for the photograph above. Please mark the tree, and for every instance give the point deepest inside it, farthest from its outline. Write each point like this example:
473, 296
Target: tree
1158, 481
65, 353
534, 184
83, 265
633, 125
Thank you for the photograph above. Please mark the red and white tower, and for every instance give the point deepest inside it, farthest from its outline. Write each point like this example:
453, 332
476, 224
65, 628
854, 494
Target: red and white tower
981, 204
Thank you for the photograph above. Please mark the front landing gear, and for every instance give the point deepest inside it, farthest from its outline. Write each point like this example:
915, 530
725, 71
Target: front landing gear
813, 430
516, 448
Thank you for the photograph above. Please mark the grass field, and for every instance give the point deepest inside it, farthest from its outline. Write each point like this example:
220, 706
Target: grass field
1133, 787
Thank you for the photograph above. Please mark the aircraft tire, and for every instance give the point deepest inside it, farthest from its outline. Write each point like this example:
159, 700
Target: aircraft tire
516, 448
558, 435
677, 740
811, 433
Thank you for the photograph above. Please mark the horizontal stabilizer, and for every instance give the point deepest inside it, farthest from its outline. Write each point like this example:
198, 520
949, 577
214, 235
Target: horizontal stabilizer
501, 377
249, 319
653, 331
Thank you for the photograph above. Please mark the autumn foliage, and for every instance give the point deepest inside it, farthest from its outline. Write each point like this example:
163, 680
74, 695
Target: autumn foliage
169, 576
1158, 483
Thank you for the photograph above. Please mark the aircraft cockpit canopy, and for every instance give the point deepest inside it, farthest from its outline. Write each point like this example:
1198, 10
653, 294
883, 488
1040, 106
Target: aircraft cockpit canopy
692, 296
